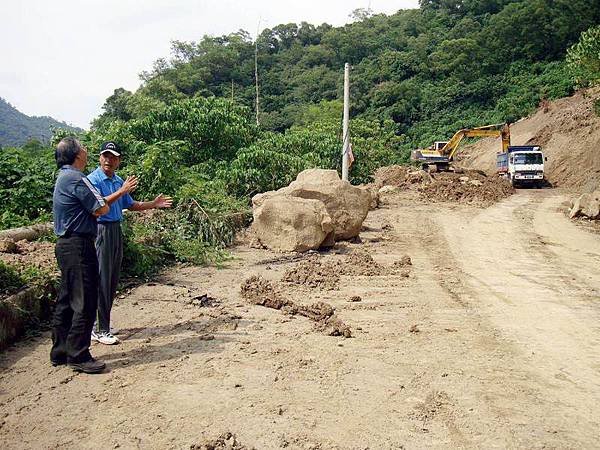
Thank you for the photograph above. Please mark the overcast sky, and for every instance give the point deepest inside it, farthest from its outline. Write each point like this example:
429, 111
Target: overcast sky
63, 58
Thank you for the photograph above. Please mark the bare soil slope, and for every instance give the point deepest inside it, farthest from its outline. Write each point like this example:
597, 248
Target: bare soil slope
568, 131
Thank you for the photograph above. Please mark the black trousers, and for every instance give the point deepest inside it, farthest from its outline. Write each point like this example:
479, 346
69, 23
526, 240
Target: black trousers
77, 299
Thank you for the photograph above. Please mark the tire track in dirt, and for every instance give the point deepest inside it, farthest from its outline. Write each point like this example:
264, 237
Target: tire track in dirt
537, 301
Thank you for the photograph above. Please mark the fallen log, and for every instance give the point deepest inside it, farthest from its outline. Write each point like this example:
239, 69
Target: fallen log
30, 233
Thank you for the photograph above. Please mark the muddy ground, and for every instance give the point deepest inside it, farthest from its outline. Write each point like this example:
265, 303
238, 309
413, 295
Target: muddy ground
488, 339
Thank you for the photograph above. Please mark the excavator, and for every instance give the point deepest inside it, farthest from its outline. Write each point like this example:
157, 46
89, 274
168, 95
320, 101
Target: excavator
438, 156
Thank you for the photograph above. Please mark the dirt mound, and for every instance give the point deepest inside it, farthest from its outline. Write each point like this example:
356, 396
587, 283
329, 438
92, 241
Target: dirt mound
391, 175
37, 254
467, 186
265, 293
226, 441
262, 292
470, 187
360, 262
568, 131
314, 273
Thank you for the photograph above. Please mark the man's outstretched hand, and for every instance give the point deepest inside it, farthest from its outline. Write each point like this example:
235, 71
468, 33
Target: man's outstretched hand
130, 184
162, 201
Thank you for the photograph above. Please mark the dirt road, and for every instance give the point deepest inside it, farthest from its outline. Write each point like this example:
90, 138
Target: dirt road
492, 341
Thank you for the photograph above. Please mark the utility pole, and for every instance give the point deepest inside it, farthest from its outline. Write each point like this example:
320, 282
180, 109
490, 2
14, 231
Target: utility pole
345, 133
256, 69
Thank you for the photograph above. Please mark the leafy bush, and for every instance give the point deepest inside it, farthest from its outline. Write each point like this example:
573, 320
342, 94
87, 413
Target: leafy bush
26, 185
142, 252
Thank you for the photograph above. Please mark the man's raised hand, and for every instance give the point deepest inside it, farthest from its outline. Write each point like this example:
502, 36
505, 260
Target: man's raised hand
130, 184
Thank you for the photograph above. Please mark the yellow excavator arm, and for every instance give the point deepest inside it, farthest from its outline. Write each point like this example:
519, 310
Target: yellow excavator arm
500, 129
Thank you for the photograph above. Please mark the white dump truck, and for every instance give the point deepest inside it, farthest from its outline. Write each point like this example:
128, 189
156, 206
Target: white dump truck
522, 165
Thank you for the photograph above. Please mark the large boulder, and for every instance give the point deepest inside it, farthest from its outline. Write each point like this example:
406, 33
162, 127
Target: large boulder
287, 223
586, 205
373, 191
347, 205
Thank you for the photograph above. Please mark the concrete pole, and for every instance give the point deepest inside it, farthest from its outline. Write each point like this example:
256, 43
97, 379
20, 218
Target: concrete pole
346, 136
256, 69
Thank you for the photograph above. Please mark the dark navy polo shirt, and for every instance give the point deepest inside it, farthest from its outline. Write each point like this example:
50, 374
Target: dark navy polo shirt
107, 186
73, 203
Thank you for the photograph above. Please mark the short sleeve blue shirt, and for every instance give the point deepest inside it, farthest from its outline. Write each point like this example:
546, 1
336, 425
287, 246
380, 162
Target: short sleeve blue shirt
74, 202
107, 186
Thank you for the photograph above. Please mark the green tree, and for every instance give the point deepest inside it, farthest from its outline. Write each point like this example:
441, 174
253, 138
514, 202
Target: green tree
583, 58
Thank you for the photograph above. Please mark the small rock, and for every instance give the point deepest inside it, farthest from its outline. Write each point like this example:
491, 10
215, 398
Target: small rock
355, 298
414, 329
207, 337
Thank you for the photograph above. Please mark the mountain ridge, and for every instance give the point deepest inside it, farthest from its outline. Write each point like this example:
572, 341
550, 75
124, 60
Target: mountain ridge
16, 128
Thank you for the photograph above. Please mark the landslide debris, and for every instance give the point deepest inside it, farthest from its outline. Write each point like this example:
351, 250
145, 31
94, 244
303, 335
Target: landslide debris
265, 293
469, 186
314, 272
568, 130
317, 272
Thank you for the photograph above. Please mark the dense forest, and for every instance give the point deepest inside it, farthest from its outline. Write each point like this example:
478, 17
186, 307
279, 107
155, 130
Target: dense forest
192, 129
16, 128
433, 70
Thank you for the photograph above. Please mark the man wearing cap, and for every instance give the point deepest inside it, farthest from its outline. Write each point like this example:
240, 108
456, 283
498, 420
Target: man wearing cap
109, 243
75, 206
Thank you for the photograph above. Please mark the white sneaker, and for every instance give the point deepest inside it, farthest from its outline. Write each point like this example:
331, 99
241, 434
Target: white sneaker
107, 338
95, 336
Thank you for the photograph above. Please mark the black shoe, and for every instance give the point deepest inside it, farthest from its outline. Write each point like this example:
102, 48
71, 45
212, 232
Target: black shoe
89, 366
58, 361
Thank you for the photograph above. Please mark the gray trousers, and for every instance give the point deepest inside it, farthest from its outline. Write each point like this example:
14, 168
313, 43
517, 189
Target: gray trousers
109, 249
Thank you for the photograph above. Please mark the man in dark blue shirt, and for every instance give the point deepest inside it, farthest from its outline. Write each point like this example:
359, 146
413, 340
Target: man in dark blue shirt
76, 205
109, 243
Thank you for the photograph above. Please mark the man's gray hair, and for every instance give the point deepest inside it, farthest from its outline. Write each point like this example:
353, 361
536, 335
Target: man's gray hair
66, 151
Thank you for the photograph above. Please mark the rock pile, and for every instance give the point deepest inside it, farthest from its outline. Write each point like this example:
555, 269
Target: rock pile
472, 186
